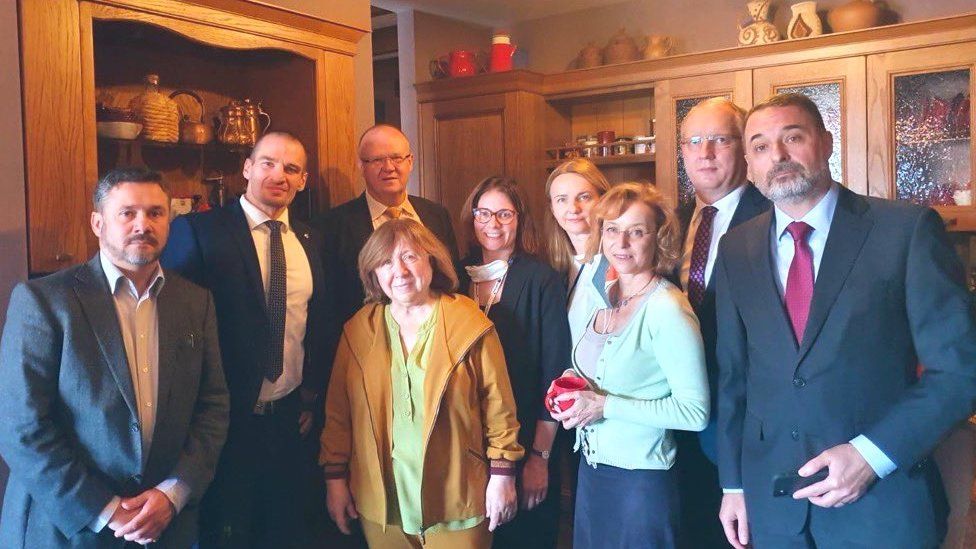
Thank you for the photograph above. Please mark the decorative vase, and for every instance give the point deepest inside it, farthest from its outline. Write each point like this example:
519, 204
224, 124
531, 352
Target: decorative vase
590, 56
805, 21
854, 15
620, 49
760, 31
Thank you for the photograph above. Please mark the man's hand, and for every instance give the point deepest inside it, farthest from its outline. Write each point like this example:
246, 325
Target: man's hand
734, 520
587, 409
500, 500
535, 481
849, 477
120, 517
342, 508
304, 423
153, 510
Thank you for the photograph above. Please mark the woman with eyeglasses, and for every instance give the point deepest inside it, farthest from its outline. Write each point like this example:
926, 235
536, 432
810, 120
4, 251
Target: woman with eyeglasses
642, 358
526, 299
573, 188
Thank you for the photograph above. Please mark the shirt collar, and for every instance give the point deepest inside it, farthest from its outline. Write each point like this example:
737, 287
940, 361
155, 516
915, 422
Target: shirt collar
114, 277
728, 202
256, 218
819, 217
377, 208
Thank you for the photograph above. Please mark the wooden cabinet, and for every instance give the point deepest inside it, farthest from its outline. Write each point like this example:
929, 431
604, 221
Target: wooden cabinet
920, 133
75, 50
837, 86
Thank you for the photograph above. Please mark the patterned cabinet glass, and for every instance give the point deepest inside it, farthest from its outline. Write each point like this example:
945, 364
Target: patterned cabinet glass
686, 193
932, 138
827, 97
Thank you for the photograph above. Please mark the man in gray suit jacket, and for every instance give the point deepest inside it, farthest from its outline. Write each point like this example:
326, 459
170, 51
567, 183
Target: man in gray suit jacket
112, 397
826, 305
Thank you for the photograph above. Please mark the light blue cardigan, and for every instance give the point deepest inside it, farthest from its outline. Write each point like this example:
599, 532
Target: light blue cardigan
653, 373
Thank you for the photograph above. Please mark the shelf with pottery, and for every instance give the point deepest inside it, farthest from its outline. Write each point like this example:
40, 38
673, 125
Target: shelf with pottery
612, 160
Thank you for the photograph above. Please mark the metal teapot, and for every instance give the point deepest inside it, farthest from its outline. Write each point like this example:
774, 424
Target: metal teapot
191, 131
233, 129
253, 128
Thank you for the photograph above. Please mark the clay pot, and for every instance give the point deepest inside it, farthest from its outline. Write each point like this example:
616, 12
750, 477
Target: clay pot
658, 46
590, 56
620, 49
805, 21
854, 15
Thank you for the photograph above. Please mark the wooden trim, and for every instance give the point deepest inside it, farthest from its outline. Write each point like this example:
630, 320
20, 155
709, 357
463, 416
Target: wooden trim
336, 96
491, 83
247, 32
258, 9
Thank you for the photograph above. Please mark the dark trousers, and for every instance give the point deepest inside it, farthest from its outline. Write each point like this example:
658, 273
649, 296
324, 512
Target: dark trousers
535, 529
701, 495
625, 509
259, 495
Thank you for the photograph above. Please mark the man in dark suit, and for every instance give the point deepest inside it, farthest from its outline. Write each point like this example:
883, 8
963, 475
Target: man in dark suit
386, 163
711, 147
113, 400
826, 304
275, 336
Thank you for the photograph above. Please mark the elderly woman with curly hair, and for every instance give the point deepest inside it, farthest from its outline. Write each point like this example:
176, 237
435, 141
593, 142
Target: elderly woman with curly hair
642, 359
420, 436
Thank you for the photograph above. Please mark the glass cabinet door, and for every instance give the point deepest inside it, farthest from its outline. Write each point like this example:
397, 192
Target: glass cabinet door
838, 89
672, 101
921, 149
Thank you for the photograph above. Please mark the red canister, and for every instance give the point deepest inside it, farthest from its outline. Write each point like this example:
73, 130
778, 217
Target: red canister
502, 51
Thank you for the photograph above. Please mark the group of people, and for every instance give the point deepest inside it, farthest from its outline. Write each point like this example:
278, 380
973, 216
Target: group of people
746, 368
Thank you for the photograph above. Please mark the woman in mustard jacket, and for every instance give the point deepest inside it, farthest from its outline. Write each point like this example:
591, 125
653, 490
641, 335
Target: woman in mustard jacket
420, 433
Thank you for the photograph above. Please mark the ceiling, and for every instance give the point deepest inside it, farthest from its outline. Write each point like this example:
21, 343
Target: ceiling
493, 12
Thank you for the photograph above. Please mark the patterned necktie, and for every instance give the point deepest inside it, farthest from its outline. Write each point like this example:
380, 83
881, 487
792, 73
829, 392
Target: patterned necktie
799, 281
699, 256
277, 292
393, 212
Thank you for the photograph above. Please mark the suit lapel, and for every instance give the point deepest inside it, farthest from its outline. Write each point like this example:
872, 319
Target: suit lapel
172, 338
96, 301
241, 233
361, 224
848, 231
515, 282
760, 258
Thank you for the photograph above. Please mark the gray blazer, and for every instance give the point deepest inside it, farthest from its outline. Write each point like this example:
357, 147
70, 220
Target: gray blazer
69, 428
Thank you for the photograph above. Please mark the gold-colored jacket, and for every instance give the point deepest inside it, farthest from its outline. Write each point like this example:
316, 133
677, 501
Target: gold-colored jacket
469, 413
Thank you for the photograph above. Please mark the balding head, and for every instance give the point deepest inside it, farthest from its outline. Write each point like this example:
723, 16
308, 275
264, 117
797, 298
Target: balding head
386, 162
711, 147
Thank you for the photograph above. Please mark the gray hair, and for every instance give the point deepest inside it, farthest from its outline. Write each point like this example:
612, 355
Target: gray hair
125, 174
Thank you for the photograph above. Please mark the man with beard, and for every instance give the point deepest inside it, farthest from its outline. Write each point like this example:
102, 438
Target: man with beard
826, 304
276, 338
112, 396
711, 147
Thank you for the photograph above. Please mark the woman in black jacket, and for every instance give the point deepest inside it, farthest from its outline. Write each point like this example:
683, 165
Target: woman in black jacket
526, 299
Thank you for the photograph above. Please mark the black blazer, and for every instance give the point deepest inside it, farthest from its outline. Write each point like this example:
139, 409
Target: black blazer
215, 250
347, 227
889, 295
751, 203
531, 321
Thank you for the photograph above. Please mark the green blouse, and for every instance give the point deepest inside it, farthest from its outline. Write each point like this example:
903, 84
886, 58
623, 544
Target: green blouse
407, 374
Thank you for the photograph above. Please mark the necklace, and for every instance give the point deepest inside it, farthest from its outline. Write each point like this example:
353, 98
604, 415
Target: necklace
623, 303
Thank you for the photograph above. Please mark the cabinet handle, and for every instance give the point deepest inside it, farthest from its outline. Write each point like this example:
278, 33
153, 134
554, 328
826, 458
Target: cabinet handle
63, 257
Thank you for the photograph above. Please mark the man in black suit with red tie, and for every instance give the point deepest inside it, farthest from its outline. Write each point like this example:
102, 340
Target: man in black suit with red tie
277, 336
711, 147
386, 162
826, 304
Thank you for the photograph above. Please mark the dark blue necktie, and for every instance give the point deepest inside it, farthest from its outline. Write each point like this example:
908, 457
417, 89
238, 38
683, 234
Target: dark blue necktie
277, 292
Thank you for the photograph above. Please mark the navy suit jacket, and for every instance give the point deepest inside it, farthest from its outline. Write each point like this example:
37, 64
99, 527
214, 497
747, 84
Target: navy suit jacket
70, 430
889, 294
215, 249
346, 228
751, 203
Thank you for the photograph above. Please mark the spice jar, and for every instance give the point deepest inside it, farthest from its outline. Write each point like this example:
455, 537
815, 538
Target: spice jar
623, 145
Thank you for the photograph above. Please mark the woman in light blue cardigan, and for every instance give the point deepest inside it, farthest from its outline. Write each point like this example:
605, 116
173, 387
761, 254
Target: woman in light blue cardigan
642, 357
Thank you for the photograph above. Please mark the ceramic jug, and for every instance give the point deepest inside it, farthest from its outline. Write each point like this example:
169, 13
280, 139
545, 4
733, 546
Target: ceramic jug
620, 49
805, 21
658, 46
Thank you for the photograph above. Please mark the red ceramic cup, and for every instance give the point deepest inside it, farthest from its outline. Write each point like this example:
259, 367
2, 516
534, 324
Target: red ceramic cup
562, 385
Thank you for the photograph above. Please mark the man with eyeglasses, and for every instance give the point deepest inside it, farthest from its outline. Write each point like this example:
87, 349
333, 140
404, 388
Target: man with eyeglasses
277, 338
711, 147
386, 162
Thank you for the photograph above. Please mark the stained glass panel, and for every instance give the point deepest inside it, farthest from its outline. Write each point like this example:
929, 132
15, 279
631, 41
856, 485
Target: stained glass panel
827, 97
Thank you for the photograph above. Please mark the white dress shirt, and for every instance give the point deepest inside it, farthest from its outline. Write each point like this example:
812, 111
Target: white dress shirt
377, 211
726, 207
820, 218
139, 323
299, 284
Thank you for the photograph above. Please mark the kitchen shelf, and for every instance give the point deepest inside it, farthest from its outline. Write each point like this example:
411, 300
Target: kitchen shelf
212, 146
613, 160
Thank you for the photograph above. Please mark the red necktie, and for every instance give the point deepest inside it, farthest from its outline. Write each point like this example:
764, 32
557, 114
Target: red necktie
799, 282
699, 255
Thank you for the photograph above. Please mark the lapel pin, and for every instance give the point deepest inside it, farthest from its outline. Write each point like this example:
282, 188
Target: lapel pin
305, 235
189, 340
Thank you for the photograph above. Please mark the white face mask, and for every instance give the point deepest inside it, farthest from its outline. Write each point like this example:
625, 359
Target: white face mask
491, 271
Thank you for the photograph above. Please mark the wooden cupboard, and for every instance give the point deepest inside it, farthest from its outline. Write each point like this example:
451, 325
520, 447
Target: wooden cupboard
863, 81
73, 51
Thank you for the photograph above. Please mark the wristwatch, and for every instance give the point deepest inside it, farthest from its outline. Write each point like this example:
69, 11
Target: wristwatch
544, 454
